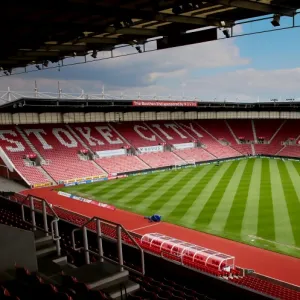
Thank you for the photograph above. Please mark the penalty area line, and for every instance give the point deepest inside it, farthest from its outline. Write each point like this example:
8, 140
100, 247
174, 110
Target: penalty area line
151, 225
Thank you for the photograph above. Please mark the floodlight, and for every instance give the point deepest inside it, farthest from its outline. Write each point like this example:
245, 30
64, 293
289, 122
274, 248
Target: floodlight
276, 21
138, 49
226, 33
177, 10
128, 22
94, 54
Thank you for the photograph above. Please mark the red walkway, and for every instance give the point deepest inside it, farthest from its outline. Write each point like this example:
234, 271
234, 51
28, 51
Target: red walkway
269, 263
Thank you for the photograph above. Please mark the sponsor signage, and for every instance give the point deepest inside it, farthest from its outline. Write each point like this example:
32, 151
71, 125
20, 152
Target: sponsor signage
42, 184
104, 205
110, 153
165, 103
184, 146
151, 149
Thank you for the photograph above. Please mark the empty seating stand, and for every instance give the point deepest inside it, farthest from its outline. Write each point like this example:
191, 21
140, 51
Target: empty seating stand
121, 164
60, 148
16, 148
161, 159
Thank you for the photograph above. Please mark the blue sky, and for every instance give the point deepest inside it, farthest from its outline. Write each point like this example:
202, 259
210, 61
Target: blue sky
247, 68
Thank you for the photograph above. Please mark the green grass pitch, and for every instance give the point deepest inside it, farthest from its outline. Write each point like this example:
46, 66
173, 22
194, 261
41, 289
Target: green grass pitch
255, 201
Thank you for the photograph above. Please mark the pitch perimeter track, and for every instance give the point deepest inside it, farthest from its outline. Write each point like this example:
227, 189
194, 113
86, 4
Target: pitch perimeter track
265, 262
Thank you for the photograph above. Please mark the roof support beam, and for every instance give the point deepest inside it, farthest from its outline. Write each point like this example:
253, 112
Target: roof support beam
100, 40
132, 31
186, 20
262, 7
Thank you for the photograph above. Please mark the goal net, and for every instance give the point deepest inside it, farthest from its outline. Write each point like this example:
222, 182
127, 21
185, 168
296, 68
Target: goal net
185, 164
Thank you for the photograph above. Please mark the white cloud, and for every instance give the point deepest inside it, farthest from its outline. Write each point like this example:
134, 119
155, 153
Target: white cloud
163, 72
136, 70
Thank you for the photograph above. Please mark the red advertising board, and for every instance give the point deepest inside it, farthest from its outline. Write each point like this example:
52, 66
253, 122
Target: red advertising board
164, 103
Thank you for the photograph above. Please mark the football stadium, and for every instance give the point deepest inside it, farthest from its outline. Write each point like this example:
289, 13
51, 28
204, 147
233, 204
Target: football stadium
107, 197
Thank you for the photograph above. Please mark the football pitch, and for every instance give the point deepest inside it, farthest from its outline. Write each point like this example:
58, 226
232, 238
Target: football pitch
255, 200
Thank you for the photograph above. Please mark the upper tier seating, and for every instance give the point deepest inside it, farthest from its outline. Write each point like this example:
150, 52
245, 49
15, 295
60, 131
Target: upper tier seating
212, 145
98, 136
161, 159
290, 129
170, 132
15, 147
267, 129
138, 134
60, 147
121, 164
197, 154
220, 130
242, 128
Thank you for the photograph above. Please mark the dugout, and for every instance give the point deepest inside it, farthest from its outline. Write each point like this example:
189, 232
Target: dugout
189, 252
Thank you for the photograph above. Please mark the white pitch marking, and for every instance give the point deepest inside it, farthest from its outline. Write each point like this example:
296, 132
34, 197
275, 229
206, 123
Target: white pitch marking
151, 225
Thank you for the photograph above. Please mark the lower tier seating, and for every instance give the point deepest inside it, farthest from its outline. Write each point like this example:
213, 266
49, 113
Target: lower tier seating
197, 154
13, 218
61, 171
290, 150
161, 159
121, 164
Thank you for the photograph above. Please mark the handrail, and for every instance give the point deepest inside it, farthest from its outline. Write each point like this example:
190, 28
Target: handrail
54, 223
119, 229
109, 223
41, 200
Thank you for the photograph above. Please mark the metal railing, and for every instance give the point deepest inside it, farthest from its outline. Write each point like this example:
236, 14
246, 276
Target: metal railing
119, 228
53, 224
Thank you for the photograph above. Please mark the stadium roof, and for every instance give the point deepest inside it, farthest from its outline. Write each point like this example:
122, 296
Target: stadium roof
40, 32
126, 105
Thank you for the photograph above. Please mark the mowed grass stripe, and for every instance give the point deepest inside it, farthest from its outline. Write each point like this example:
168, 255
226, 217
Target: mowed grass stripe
292, 201
124, 184
250, 220
265, 226
282, 223
237, 211
297, 166
181, 189
201, 194
220, 216
196, 185
161, 193
206, 214
155, 201
295, 178
126, 196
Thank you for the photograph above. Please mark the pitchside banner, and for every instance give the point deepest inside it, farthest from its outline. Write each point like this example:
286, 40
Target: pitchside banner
151, 149
110, 207
165, 103
184, 146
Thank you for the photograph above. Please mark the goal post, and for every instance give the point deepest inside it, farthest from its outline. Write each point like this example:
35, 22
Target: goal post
184, 164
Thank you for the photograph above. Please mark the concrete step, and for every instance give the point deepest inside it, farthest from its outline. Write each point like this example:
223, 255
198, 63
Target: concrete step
42, 241
118, 291
99, 275
45, 250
